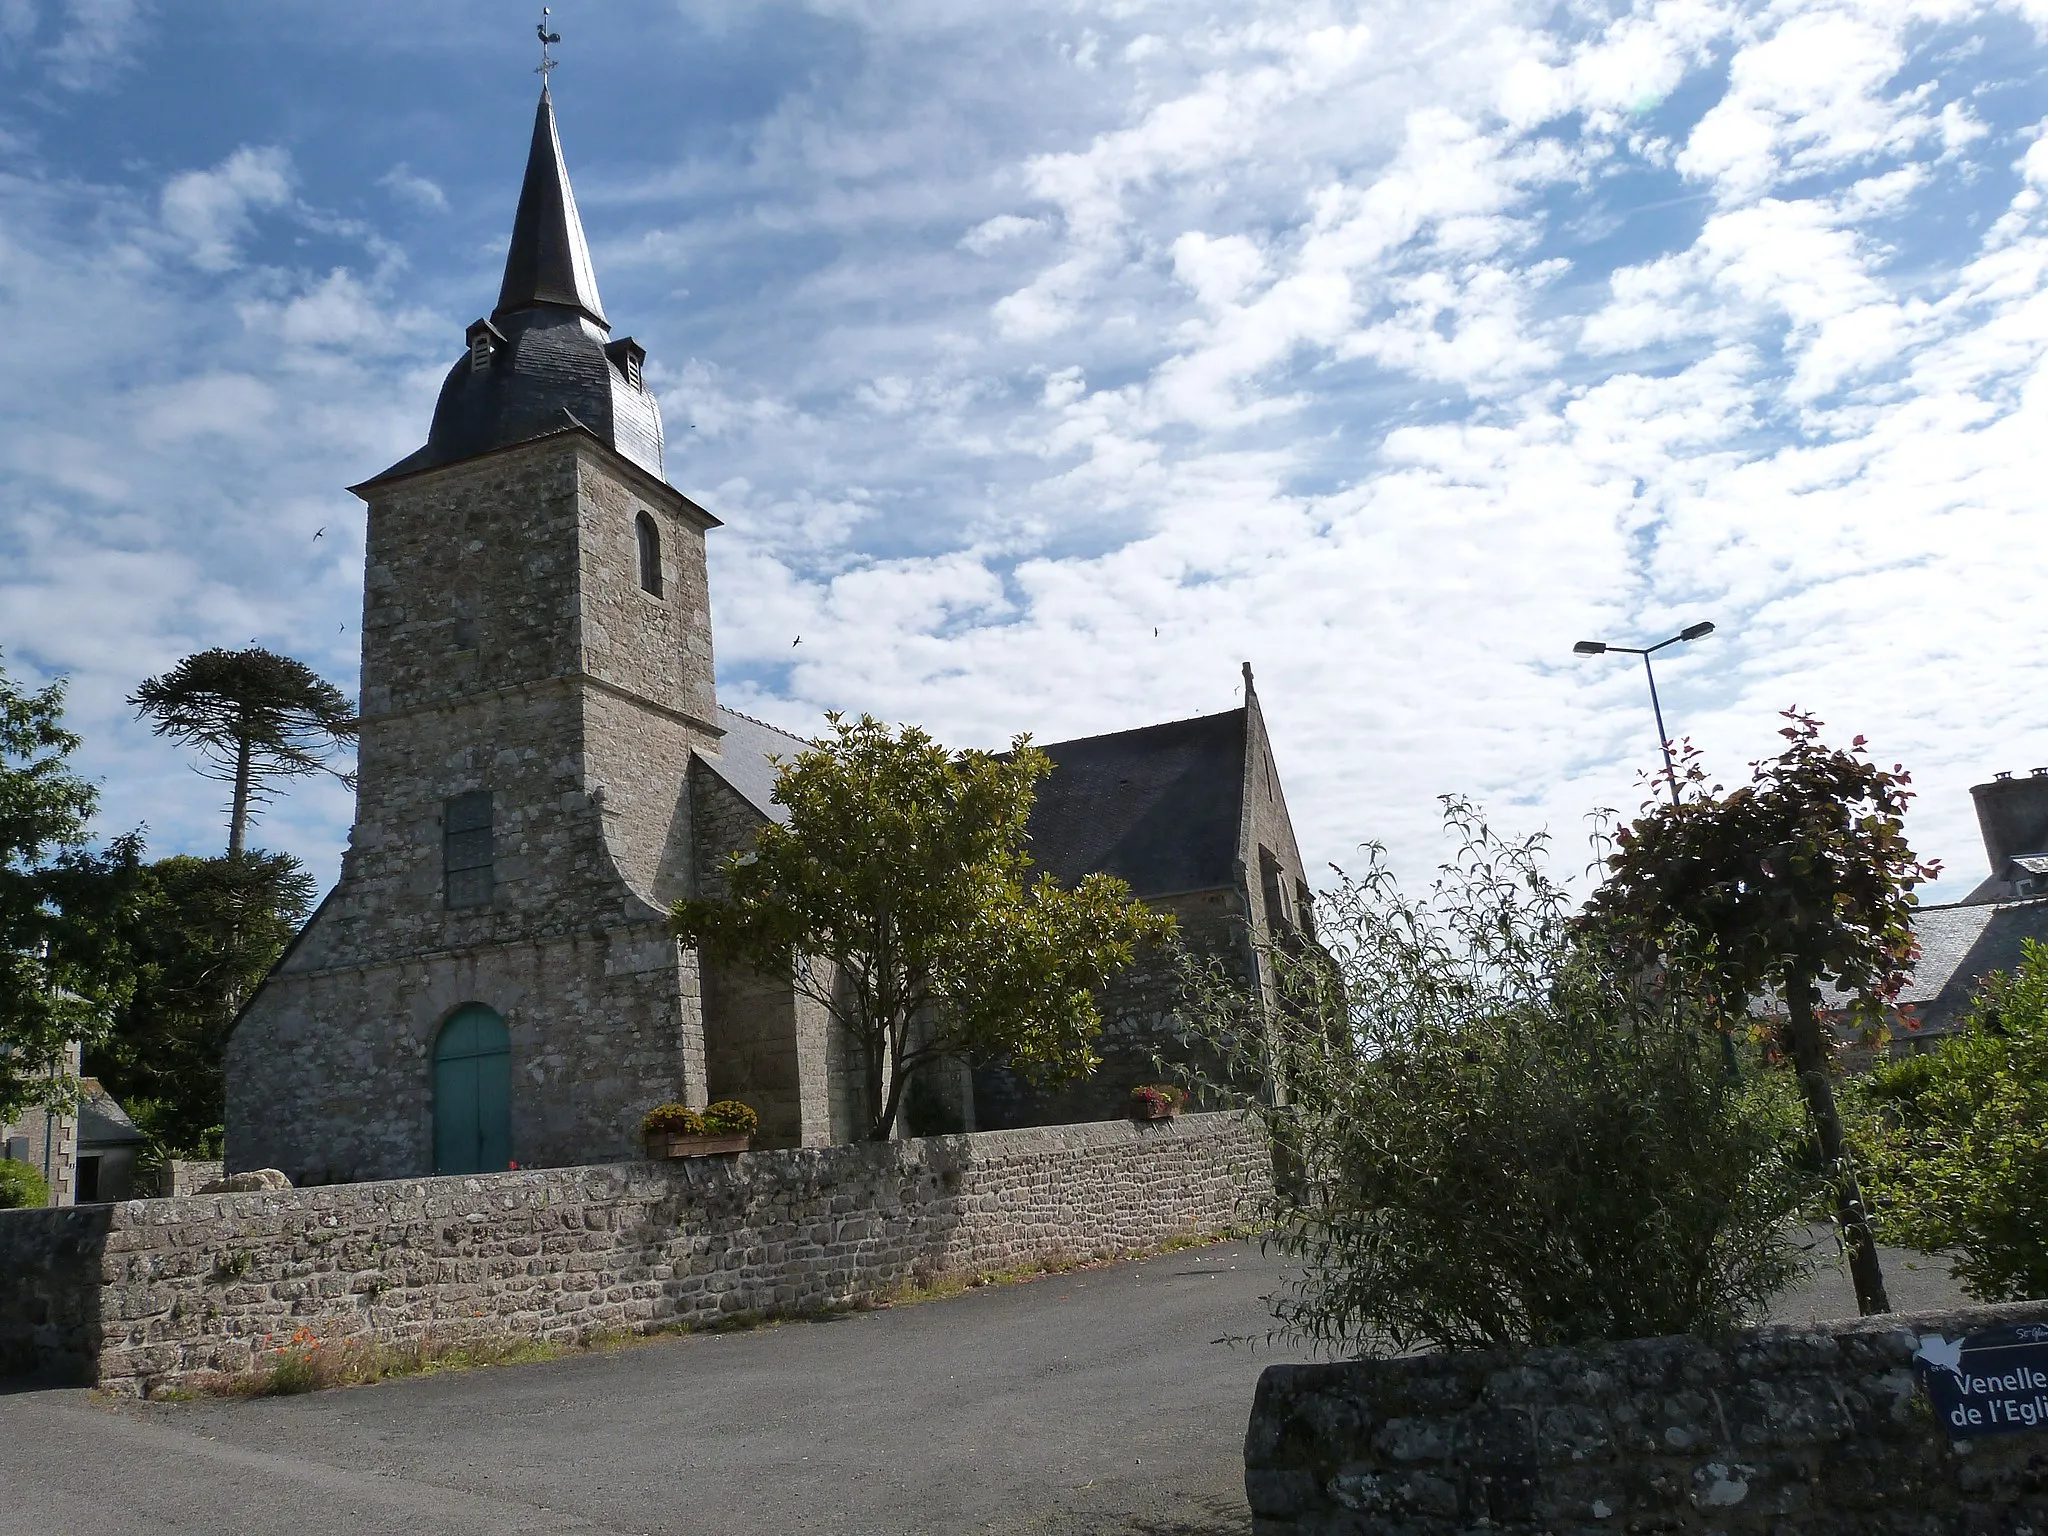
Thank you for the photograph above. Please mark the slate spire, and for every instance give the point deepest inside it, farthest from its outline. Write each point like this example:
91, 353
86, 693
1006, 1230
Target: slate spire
549, 262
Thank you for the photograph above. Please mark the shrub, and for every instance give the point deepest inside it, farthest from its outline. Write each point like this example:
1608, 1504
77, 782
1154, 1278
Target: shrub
672, 1120
21, 1187
729, 1117
1957, 1139
1155, 1096
1489, 1135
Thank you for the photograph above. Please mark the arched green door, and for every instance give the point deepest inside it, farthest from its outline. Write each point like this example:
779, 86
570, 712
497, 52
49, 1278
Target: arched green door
473, 1093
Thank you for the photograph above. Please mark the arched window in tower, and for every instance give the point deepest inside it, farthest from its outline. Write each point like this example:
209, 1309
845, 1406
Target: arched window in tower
650, 554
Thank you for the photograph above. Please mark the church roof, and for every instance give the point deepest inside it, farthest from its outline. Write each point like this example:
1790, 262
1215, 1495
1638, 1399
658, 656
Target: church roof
746, 756
544, 361
1160, 806
549, 260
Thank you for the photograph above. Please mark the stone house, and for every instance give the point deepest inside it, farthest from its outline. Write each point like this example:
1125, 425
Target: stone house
86, 1156
544, 768
1963, 942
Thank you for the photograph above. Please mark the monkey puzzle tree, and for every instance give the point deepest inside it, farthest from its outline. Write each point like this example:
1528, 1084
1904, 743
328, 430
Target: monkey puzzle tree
898, 897
64, 969
205, 933
1799, 879
254, 716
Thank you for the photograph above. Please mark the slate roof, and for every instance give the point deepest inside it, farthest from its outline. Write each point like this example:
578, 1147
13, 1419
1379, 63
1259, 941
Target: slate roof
744, 759
1959, 946
551, 367
549, 262
1160, 806
102, 1122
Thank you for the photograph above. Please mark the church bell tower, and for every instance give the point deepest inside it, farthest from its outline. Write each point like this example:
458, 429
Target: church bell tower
492, 980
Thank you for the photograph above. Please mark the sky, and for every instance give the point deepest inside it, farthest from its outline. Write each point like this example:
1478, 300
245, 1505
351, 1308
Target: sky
1047, 361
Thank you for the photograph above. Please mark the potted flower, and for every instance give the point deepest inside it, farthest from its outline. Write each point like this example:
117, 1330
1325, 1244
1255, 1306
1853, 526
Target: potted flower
1155, 1101
676, 1130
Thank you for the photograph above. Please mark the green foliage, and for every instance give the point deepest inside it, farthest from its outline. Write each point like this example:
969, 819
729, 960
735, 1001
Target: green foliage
254, 716
205, 932
1492, 1134
1802, 876
64, 965
672, 1120
22, 1188
729, 1117
898, 897
1955, 1141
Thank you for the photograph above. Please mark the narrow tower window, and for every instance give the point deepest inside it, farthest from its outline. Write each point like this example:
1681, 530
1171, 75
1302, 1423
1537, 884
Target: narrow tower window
480, 352
466, 849
650, 554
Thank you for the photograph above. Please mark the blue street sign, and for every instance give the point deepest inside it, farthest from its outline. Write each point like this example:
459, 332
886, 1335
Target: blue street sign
1993, 1383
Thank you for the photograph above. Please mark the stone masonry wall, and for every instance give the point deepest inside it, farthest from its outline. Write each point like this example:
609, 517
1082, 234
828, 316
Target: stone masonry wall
1140, 1021
153, 1294
330, 1074
1811, 1429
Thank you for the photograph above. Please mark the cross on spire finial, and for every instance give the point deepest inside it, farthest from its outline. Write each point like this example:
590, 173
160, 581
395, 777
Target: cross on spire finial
547, 60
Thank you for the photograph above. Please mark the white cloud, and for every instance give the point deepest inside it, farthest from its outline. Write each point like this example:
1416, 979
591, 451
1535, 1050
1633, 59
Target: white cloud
96, 42
1392, 347
209, 211
990, 233
408, 186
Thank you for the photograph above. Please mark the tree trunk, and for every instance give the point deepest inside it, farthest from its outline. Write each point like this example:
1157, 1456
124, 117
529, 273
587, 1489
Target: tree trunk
1810, 1058
238, 816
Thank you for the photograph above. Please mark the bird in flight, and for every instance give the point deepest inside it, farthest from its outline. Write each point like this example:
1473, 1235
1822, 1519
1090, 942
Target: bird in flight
320, 533
799, 640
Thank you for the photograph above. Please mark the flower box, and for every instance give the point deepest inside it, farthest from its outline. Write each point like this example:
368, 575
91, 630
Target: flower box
1155, 1101
662, 1144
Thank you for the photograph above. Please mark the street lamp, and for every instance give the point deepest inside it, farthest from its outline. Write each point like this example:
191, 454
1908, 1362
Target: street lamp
1601, 648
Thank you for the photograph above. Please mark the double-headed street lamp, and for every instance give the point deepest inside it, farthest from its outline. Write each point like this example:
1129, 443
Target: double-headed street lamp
1601, 648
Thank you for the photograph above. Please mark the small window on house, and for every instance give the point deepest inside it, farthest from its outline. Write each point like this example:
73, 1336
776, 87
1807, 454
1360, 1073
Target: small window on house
466, 849
633, 369
650, 554
479, 352
1305, 907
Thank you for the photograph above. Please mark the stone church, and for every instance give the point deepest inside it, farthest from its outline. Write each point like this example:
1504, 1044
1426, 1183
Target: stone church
544, 768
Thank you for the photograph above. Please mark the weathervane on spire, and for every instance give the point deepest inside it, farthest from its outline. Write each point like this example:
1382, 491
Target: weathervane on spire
547, 61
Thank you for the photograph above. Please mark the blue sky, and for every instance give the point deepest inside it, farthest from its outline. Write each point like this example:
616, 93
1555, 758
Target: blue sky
1046, 361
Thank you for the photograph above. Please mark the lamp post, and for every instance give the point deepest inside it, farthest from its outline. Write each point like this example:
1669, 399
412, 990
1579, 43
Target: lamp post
1601, 648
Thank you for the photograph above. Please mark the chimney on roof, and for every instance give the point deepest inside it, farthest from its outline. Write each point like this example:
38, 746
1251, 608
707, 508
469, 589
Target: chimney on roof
2013, 816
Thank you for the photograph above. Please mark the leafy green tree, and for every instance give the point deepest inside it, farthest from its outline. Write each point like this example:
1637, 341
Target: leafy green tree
206, 932
1493, 1133
64, 965
255, 717
1799, 879
21, 1187
1955, 1141
898, 897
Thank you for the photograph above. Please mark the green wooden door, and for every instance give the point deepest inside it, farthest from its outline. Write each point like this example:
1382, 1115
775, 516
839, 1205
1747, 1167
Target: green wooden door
473, 1093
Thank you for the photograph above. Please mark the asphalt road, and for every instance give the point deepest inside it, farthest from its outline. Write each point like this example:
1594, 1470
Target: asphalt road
1098, 1401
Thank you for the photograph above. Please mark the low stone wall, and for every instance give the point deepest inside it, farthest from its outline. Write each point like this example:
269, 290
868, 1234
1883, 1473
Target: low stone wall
1815, 1429
151, 1294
